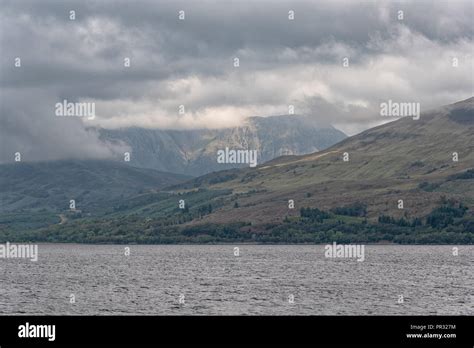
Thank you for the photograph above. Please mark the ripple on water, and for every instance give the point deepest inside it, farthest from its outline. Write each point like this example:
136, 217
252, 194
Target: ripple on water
259, 281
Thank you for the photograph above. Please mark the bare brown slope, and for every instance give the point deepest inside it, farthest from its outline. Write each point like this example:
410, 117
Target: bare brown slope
386, 163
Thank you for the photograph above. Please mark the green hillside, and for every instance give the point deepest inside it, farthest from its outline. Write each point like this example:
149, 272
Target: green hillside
406, 159
35, 194
357, 200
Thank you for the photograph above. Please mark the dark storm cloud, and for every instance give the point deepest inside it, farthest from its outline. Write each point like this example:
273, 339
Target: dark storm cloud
189, 63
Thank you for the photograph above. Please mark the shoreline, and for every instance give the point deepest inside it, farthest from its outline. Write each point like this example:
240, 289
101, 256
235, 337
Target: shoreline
233, 244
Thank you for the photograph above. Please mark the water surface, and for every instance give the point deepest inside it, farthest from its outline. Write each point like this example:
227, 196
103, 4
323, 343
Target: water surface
258, 282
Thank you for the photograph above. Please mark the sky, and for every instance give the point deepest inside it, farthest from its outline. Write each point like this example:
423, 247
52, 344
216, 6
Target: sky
401, 56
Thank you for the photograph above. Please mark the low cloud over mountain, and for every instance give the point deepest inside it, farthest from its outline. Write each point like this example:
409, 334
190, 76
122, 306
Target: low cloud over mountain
191, 62
194, 152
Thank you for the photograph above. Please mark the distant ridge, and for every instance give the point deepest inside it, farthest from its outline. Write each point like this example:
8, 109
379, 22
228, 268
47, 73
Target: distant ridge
194, 152
92, 183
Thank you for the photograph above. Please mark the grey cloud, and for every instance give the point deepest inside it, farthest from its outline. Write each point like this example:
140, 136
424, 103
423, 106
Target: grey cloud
189, 62
31, 128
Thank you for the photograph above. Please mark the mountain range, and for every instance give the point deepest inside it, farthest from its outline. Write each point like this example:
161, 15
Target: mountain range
406, 181
194, 152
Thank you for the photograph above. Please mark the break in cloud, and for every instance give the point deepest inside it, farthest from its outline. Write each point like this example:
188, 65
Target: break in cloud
190, 63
